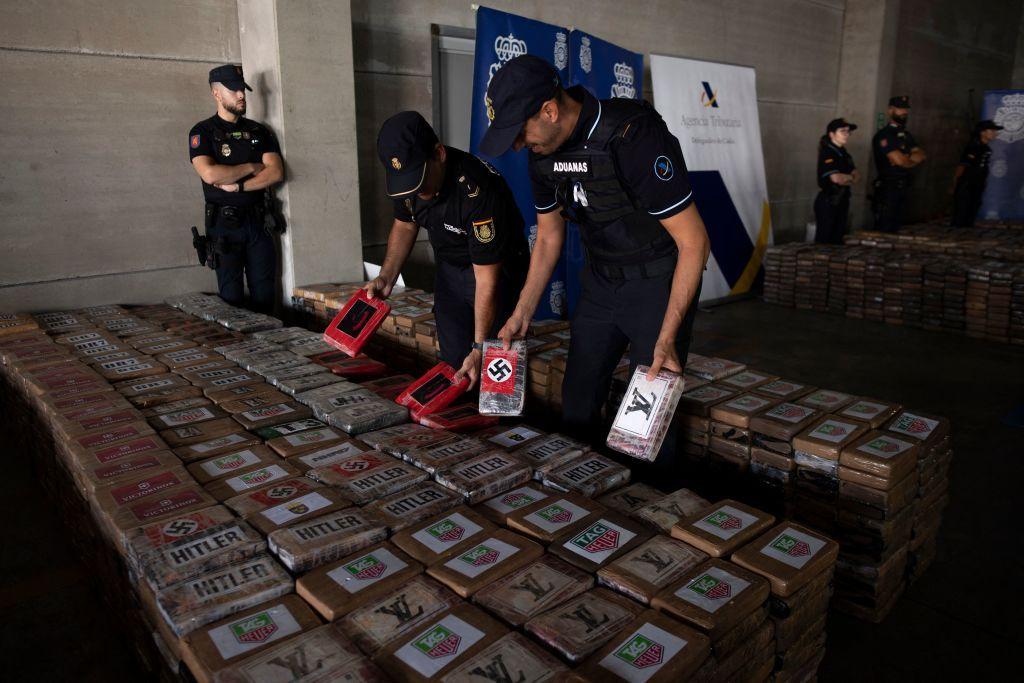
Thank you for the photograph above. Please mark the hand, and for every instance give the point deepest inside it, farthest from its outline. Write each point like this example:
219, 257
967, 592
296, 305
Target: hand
378, 287
227, 187
855, 176
665, 358
516, 327
470, 368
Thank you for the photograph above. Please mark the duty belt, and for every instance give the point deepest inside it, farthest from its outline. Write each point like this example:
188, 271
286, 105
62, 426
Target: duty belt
637, 271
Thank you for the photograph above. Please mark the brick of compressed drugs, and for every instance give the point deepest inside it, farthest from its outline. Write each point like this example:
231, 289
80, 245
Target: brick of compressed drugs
224, 395
630, 498
314, 542
132, 367
368, 476
228, 487
783, 390
146, 485
201, 552
336, 589
329, 455
95, 402
650, 567
747, 380
434, 391
273, 494
667, 511
367, 417
722, 527
150, 539
267, 416
440, 537
401, 509
533, 589
131, 388
185, 357
652, 648
827, 436
378, 437
444, 454
85, 458
503, 379
306, 441
645, 413
579, 626
698, 402
875, 413
789, 556
221, 466
356, 322
508, 438
714, 596
783, 421
545, 520
300, 383
288, 428
212, 648
440, 645
97, 422
881, 455
738, 411
458, 418
713, 369
215, 595
512, 654
122, 469
263, 400
590, 474
595, 544
549, 453
927, 429
190, 403
485, 475
220, 445
498, 508
400, 444
872, 501
94, 441
825, 400
402, 611
180, 437
487, 560
322, 501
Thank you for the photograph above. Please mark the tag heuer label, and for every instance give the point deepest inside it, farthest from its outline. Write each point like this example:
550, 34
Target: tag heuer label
780, 388
748, 404
914, 425
296, 508
725, 522
599, 541
642, 654
825, 398
884, 447
514, 437
793, 548
789, 412
513, 500
833, 431
310, 436
183, 417
480, 558
269, 411
640, 405
556, 516
445, 534
230, 463
229, 440
712, 589
367, 570
251, 632
251, 480
438, 646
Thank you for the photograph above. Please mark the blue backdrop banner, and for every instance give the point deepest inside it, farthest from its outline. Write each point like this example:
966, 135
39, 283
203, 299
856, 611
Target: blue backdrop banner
1004, 193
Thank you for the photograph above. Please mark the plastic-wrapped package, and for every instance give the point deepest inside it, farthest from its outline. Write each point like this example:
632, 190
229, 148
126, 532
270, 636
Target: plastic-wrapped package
645, 414
368, 416
410, 505
360, 367
485, 475
590, 474
354, 324
460, 418
200, 553
446, 455
573, 637
432, 392
531, 590
309, 544
503, 379
649, 568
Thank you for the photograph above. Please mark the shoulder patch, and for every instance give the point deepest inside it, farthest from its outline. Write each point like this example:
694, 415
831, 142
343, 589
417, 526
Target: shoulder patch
483, 230
829, 160
663, 168
193, 141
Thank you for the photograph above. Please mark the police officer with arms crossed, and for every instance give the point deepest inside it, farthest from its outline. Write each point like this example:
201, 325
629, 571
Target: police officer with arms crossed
972, 174
836, 173
475, 229
613, 167
896, 152
238, 160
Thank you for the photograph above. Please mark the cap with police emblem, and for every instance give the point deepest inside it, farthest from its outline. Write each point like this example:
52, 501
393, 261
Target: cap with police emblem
515, 93
230, 76
900, 101
836, 124
405, 144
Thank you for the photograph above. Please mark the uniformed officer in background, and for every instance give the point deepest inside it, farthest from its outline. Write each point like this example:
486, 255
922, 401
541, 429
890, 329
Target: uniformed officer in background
836, 173
613, 167
238, 160
896, 153
475, 229
972, 174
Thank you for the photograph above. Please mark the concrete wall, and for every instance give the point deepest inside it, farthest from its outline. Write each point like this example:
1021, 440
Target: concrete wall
96, 190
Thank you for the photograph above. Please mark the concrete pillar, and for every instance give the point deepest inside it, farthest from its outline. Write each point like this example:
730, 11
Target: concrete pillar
1017, 77
297, 56
865, 79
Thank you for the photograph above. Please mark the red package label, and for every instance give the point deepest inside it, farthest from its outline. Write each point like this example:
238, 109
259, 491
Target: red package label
130, 448
354, 323
498, 371
281, 492
457, 419
162, 506
131, 465
81, 401
111, 436
145, 487
162, 533
353, 467
108, 420
433, 391
75, 390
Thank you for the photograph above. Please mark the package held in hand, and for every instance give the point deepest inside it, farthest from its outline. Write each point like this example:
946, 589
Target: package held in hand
356, 322
503, 378
433, 391
645, 413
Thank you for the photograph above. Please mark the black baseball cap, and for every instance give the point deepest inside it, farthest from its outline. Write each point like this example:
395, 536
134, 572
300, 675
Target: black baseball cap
230, 76
987, 124
836, 124
515, 93
405, 143
900, 101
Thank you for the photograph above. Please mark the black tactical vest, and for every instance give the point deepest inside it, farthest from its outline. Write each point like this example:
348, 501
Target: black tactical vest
614, 228
236, 147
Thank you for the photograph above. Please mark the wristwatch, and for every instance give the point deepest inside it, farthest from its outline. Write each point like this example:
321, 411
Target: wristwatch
240, 184
478, 346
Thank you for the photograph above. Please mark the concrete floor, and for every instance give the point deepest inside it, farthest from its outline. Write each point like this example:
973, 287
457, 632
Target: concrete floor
961, 621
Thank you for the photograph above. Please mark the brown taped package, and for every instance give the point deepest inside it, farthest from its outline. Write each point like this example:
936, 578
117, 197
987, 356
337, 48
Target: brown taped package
498, 508
401, 509
748, 379
328, 455
237, 462
595, 544
145, 485
267, 416
722, 527
665, 512
714, 597
650, 567
94, 441
326, 538
187, 357
783, 421
738, 411
828, 436
189, 435
186, 416
590, 474
175, 406
336, 589
875, 503
881, 455
229, 487
136, 388
509, 438
511, 655
547, 519
789, 556
579, 626
630, 498
261, 400
235, 441
291, 445
96, 422
698, 402
173, 503
783, 390
490, 558
440, 537
201, 552
148, 540
527, 592
299, 509
929, 430
825, 400
874, 413
366, 477
485, 476
226, 394
124, 469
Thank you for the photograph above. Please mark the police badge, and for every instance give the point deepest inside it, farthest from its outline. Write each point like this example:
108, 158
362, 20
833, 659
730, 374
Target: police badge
225, 150
484, 230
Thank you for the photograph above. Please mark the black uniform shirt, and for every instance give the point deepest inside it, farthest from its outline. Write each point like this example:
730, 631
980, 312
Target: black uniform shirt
473, 219
231, 144
975, 161
892, 137
832, 160
648, 158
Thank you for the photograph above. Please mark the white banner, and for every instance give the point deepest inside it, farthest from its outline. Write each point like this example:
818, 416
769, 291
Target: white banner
712, 109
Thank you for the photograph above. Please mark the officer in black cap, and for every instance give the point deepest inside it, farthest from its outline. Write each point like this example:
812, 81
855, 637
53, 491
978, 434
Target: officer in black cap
896, 152
613, 167
836, 173
475, 229
972, 174
238, 160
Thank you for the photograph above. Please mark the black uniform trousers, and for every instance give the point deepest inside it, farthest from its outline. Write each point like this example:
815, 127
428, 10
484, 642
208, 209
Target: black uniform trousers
966, 202
245, 250
890, 193
831, 216
454, 309
611, 314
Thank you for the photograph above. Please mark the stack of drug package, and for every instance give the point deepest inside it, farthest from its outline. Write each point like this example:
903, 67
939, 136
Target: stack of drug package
780, 264
838, 292
309, 302
548, 351
932, 286
706, 385
1017, 307
808, 285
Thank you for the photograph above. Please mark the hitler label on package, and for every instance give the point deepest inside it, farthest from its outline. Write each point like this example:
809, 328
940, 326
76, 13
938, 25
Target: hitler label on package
202, 552
149, 540
326, 538
590, 475
645, 414
485, 476
503, 379
366, 477
401, 509
354, 323
433, 391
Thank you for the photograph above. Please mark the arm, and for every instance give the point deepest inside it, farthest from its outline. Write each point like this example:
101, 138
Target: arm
271, 173
484, 305
219, 174
898, 158
687, 229
401, 240
546, 252
842, 178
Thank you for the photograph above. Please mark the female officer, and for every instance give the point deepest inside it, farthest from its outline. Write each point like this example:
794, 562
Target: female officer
836, 173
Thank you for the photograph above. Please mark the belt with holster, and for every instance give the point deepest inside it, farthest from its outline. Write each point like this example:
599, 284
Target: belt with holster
635, 271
